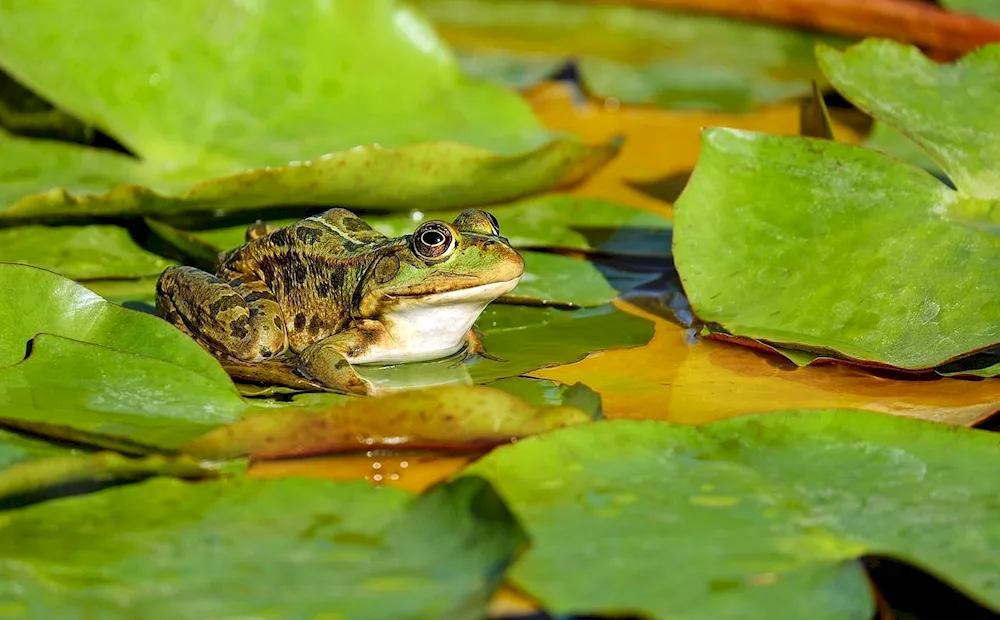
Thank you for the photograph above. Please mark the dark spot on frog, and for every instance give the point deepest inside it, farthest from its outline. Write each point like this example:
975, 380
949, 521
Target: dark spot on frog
354, 224
308, 235
336, 280
240, 327
238, 282
254, 312
387, 269
252, 297
300, 321
316, 324
265, 352
350, 246
298, 274
281, 238
225, 303
278, 323
323, 288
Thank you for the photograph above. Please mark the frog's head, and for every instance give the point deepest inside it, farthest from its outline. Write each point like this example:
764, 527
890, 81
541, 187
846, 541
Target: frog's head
464, 263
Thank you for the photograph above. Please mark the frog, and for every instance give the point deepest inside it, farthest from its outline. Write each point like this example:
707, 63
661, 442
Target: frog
331, 293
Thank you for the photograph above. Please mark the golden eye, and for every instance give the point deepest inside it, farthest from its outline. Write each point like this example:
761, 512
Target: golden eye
434, 241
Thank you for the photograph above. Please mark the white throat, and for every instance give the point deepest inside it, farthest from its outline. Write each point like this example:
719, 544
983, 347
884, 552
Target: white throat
433, 326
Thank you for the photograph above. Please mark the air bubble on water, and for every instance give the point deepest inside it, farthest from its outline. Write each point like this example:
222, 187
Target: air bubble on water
154, 79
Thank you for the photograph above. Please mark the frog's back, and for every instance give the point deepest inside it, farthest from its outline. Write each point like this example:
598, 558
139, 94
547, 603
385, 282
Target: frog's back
312, 268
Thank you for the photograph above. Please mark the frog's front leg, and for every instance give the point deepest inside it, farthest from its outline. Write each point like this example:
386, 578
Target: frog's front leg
326, 361
474, 347
239, 318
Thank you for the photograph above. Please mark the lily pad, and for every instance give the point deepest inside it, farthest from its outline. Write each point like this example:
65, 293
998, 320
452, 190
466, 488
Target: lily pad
100, 372
107, 397
80, 252
206, 142
867, 258
528, 339
449, 418
39, 301
636, 55
985, 8
320, 548
754, 517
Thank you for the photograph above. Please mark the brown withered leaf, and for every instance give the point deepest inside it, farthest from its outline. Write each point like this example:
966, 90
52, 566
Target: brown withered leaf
457, 418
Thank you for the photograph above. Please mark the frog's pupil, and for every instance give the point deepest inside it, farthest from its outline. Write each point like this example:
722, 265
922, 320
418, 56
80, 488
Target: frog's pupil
432, 237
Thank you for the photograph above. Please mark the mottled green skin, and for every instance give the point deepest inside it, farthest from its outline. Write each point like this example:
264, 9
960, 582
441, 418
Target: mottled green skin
321, 287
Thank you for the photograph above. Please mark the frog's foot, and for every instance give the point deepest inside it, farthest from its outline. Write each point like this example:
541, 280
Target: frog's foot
325, 363
238, 318
474, 347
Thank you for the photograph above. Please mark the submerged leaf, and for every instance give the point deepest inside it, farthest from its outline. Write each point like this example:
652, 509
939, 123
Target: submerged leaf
80, 252
636, 55
447, 417
755, 517
206, 142
320, 548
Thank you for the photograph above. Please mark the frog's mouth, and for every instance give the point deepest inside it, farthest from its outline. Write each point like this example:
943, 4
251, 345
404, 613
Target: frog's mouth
481, 293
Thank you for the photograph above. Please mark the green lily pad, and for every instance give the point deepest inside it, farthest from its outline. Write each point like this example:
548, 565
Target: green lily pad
448, 417
892, 142
80, 252
943, 108
908, 284
753, 517
107, 397
528, 339
553, 393
39, 301
101, 373
427, 136
637, 55
287, 548
984, 8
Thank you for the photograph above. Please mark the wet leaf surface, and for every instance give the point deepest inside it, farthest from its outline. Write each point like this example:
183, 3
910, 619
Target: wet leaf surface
636, 55
913, 277
208, 142
755, 517
319, 547
80, 252
448, 417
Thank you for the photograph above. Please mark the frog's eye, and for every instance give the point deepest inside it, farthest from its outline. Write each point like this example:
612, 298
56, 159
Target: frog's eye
434, 241
477, 221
